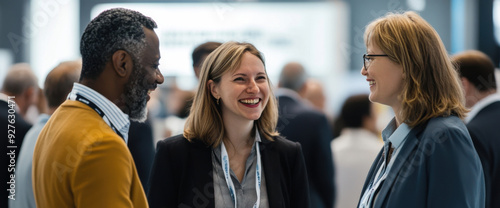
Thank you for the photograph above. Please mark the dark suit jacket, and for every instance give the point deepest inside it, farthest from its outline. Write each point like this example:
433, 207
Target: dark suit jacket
182, 174
436, 167
20, 127
484, 130
301, 123
141, 146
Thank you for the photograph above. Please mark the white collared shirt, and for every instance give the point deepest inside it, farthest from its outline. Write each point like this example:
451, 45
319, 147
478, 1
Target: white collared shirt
113, 114
482, 104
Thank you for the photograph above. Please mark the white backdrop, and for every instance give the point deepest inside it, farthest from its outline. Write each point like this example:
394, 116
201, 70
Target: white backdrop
304, 32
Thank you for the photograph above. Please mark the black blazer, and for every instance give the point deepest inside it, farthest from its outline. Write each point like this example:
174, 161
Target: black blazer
301, 123
436, 167
182, 174
484, 130
20, 127
142, 147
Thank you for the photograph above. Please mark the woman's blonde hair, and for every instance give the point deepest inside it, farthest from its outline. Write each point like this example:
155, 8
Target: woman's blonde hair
205, 118
431, 84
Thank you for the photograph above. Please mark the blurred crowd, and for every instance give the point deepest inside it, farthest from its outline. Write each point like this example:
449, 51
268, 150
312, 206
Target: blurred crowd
338, 150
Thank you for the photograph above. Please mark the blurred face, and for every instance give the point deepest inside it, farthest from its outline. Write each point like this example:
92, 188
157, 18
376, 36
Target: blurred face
243, 93
370, 122
384, 77
144, 78
197, 69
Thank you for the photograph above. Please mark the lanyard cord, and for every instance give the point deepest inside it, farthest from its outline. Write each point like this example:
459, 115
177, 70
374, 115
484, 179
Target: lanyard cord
98, 110
368, 197
229, 181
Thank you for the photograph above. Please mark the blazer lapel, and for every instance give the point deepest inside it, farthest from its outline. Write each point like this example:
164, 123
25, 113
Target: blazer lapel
201, 155
271, 160
372, 172
397, 166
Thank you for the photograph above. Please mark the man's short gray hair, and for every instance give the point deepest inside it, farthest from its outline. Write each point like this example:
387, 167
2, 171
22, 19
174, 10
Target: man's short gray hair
112, 30
19, 78
293, 76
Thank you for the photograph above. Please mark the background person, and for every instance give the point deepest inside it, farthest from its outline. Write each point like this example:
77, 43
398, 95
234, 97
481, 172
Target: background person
230, 142
141, 146
315, 94
22, 85
354, 150
428, 159
200, 53
58, 84
478, 79
300, 122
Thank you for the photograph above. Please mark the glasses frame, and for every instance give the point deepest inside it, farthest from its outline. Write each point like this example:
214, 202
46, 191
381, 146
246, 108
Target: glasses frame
366, 56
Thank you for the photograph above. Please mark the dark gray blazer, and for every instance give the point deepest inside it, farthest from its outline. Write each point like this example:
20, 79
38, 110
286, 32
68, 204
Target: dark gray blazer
18, 131
436, 167
182, 174
301, 123
484, 130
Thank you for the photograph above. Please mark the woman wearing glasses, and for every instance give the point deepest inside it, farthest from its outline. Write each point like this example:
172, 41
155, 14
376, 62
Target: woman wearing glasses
428, 159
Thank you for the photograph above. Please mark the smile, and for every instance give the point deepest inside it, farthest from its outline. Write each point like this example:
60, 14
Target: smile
371, 83
250, 101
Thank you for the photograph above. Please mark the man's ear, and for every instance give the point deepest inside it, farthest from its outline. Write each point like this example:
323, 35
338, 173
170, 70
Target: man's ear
213, 89
122, 63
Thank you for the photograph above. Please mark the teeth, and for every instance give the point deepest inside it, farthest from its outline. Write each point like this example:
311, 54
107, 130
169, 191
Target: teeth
250, 101
371, 83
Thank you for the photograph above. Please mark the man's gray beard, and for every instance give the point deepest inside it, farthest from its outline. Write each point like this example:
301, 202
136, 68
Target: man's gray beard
136, 94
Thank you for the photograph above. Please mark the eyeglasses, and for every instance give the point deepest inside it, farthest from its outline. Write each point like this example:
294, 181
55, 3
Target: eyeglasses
367, 59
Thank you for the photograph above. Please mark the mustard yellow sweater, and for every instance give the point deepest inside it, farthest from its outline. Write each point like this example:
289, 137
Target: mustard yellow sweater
79, 161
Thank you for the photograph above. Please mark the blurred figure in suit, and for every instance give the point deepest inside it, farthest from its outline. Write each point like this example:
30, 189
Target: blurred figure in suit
18, 93
300, 122
355, 148
142, 148
315, 94
58, 84
477, 72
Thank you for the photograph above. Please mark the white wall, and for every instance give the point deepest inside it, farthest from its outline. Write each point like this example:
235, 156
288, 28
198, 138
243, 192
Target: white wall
53, 34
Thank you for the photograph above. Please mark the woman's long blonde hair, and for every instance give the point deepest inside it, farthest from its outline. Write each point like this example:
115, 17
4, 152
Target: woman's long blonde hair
431, 86
205, 118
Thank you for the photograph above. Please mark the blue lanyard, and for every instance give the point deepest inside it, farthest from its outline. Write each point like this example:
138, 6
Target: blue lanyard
383, 171
229, 181
367, 199
98, 110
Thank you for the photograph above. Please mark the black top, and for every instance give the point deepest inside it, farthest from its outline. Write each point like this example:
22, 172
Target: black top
182, 174
19, 131
301, 123
141, 146
484, 130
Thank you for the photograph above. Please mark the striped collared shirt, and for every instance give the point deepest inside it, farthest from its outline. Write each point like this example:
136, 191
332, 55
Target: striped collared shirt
112, 114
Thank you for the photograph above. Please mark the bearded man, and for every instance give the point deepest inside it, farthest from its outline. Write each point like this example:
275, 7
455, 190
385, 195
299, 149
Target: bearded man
81, 158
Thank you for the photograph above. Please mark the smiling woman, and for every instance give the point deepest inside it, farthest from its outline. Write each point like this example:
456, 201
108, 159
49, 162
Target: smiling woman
244, 93
428, 159
230, 148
